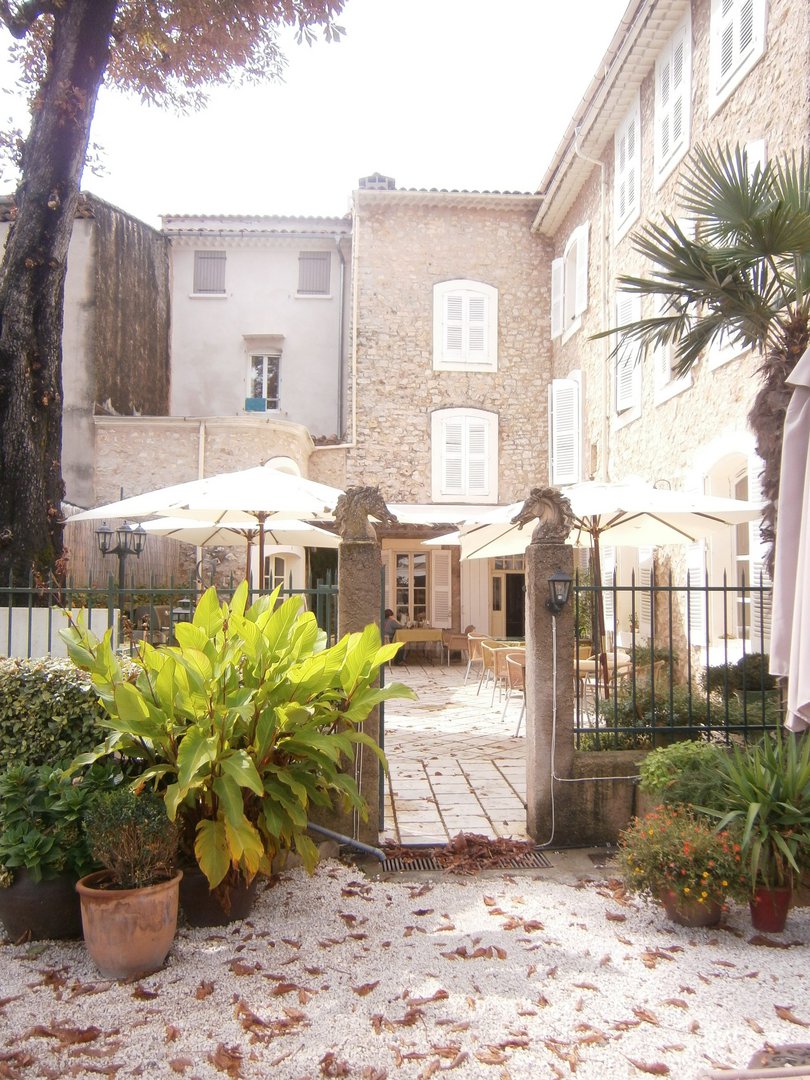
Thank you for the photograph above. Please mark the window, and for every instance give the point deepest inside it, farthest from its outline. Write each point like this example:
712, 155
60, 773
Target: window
569, 283
673, 93
313, 273
275, 572
564, 428
666, 381
263, 382
464, 452
465, 326
209, 272
411, 586
627, 173
627, 359
737, 42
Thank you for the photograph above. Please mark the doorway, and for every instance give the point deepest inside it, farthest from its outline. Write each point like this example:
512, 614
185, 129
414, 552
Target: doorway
507, 595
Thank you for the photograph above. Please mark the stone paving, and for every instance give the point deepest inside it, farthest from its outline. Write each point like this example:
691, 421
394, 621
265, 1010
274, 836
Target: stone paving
454, 762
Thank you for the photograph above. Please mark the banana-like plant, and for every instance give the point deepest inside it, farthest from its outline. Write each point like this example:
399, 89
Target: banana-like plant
243, 725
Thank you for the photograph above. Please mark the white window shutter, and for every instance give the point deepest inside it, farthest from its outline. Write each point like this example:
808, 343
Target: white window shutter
581, 294
477, 463
441, 612
644, 607
557, 291
628, 366
454, 326
673, 98
756, 155
662, 355
453, 457
564, 425
696, 579
476, 326
607, 562
760, 607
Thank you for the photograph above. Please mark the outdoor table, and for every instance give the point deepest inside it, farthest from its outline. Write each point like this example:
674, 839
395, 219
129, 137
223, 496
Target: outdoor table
423, 635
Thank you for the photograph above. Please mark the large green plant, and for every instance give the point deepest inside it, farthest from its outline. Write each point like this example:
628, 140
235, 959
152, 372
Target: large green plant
243, 726
766, 791
687, 773
48, 712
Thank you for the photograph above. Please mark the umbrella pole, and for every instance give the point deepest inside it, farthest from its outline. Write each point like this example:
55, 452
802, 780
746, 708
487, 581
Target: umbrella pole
600, 611
249, 561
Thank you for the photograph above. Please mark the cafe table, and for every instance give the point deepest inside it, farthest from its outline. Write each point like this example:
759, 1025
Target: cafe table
418, 635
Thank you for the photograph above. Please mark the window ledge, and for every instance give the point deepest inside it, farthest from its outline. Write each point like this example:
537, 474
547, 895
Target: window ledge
464, 365
663, 174
313, 296
622, 419
569, 332
672, 389
207, 296
621, 230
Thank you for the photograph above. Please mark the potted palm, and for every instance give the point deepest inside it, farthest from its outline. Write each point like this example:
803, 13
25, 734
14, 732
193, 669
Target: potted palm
766, 792
244, 726
129, 908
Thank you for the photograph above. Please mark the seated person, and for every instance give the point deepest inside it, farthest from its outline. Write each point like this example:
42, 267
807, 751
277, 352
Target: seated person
390, 626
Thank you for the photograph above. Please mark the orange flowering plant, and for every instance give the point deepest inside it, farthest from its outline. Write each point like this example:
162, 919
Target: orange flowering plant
671, 850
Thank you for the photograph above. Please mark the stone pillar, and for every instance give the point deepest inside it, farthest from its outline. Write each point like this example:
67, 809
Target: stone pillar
549, 667
359, 603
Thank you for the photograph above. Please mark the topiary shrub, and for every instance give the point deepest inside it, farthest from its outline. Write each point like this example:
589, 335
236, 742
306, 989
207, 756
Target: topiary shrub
48, 712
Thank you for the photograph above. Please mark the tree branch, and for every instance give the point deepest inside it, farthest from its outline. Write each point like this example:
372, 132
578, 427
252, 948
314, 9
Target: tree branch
19, 22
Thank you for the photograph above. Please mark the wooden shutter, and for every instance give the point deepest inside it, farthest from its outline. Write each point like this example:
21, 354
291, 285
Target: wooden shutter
696, 579
313, 272
453, 457
628, 367
626, 179
477, 470
564, 429
440, 590
581, 288
454, 326
209, 271
476, 326
738, 33
607, 562
557, 290
672, 100
644, 596
761, 607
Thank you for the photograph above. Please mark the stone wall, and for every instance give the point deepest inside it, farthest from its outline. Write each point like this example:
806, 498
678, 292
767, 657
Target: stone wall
404, 243
665, 440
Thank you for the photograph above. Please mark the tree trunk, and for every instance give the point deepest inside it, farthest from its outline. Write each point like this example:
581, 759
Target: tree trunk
767, 420
32, 282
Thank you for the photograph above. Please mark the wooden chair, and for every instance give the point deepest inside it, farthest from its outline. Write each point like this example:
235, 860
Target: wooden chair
453, 641
501, 674
515, 683
488, 647
473, 652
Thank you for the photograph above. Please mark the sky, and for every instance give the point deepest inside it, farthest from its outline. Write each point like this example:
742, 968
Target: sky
472, 94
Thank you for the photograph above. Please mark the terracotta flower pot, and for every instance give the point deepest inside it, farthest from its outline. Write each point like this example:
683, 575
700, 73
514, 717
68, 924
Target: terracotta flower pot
40, 909
688, 912
769, 908
202, 907
128, 932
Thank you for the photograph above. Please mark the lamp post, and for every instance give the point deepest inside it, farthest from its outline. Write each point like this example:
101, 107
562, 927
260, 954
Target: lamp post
129, 541
559, 589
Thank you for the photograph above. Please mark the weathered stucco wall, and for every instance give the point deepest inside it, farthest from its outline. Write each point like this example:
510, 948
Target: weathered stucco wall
403, 246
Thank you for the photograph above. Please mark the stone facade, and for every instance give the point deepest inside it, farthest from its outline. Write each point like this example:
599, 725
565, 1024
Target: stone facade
405, 242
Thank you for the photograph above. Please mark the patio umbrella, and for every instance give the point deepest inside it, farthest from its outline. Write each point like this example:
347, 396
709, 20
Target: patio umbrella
790, 616
262, 496
628, 513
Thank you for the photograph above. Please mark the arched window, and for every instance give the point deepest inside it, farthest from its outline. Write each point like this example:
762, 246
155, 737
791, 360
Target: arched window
465, 326
464, 452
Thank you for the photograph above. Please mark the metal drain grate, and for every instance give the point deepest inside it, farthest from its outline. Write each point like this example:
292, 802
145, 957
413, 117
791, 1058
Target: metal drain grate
532, 860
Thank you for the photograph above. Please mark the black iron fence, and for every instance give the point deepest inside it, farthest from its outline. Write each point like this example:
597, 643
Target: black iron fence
657, 662
31, 614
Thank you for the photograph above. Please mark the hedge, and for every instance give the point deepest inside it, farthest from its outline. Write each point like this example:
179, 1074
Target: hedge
48, 712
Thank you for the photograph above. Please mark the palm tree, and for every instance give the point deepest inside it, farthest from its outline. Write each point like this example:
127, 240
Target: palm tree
744, 274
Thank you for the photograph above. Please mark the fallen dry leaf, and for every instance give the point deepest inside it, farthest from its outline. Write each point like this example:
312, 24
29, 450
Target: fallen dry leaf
656, 1068
784, 1012
66, 1035
366, 988
141, 993
333, 1066
227, 1059
758, 1028
204, 990
180, 1064
490, 1055
645, 1015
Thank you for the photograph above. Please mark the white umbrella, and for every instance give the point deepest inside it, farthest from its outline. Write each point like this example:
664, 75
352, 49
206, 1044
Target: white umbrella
207, 534
262, 495
629, 513
790, 616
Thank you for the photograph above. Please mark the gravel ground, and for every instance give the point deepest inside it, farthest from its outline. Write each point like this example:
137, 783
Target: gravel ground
497, 976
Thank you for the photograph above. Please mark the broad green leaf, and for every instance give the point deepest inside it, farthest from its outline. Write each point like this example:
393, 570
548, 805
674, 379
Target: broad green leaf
208, 615
240, 768
245, 844
230, 796
173, 797
308, 851
239, 599
133, 714
285, 776
212, 851
190, 636
196, 751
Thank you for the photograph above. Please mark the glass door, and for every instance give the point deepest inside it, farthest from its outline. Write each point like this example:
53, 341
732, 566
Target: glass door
411, 587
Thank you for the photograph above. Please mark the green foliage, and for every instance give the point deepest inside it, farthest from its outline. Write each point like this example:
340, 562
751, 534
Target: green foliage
686, 773
131, 836
670, 850
750, 672
41, 814
48, 712
244, 726
766, 794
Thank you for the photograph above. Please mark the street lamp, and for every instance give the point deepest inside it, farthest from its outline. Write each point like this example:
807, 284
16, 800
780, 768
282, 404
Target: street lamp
559, 589
129, 541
